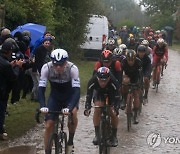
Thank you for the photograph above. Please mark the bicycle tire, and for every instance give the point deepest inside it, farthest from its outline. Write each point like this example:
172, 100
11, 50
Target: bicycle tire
129, 112
53, 144
103, 148
62, 138
158, 77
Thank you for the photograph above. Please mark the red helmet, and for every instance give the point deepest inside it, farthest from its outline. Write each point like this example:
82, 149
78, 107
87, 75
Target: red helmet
151, 33
106, 55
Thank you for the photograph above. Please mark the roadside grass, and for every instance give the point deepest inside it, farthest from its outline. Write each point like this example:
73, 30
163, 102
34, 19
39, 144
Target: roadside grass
22, 115
175, 46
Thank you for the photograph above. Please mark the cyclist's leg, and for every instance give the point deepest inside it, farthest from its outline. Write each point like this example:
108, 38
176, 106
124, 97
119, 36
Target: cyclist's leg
125, 88
72, 125
136, 104
96, 120
146, 86
114, 123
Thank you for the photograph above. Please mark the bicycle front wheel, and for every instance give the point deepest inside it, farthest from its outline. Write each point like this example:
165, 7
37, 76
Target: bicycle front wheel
103, 148
62, 138
53, 144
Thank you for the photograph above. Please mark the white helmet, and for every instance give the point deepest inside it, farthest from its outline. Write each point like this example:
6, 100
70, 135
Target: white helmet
111, 41
116, 51
145, 42
122, 46
59, 56
160, 41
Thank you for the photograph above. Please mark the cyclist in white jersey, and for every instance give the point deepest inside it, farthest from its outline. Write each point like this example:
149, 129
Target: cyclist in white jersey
64, 94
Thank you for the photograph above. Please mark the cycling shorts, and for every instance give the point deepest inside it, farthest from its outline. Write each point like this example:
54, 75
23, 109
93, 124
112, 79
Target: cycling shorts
56, 102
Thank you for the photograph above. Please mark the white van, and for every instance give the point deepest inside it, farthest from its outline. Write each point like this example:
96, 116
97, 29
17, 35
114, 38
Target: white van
96, 37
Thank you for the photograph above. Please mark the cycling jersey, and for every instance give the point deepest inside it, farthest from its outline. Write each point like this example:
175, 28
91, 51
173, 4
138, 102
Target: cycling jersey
115, 68
132, 71
65, 87
112, 91
146, 65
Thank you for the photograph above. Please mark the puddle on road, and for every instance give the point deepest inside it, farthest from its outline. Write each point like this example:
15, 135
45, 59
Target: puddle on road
19, 150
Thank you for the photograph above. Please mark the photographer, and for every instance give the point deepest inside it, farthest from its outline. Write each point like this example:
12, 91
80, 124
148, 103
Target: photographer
8, 74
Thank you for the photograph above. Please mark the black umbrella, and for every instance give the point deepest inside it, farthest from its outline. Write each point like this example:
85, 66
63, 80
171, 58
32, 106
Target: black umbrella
168, 28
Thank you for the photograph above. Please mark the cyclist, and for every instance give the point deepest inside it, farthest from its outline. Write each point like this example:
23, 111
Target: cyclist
104, 83
107, 60
148, 49
131, 67
114, 65
110, 45
64, 95
160, 55
123, 49
146, 68
132, 44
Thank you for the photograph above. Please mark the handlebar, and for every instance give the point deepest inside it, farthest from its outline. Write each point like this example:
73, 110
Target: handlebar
38, 112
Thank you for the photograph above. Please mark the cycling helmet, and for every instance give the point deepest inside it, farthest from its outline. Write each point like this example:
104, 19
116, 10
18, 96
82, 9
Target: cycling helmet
111, 41
145, 42
141, 48
59, 56
131, 54
123, 46
103, 73
116, 51
160, 41
106, 55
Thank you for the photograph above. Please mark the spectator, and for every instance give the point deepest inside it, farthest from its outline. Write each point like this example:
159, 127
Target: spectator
8, 73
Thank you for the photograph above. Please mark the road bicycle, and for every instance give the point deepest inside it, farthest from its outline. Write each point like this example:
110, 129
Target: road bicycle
129, 103
57, 143
105, 128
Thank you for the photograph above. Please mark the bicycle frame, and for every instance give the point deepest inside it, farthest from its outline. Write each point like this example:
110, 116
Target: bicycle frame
104, 128
129, 103
58, 136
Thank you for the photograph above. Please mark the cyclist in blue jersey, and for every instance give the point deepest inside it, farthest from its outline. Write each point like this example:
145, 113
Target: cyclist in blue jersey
63, 76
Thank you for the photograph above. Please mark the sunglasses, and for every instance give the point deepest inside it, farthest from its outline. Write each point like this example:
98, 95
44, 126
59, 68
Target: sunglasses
61, 65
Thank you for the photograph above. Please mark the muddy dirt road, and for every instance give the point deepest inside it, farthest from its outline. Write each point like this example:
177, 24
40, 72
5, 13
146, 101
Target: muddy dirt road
158, 131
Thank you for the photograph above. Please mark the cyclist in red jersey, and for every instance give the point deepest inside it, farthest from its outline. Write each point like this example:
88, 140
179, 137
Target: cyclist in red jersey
160, 54
114, 65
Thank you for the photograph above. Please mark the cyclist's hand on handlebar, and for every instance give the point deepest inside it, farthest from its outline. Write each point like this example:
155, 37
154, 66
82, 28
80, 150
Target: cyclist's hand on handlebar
65, 111
44, 110
87, 112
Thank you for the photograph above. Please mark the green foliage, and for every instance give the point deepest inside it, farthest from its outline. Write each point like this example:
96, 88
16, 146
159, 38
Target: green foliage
22, 11
161, 11
126, 22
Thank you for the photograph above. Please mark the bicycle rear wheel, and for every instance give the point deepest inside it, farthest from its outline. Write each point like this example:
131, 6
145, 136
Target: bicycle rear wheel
62, 138
53, 145
129, 111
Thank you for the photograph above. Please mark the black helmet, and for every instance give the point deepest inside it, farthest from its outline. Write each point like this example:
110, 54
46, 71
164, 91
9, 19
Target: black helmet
103, 73
141, 48
131, 54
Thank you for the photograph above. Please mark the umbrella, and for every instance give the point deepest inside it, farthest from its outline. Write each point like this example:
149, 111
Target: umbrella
169, 28
36, 31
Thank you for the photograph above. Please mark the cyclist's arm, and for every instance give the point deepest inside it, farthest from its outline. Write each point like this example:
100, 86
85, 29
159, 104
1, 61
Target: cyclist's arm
76, 88
115, 93
42, 85
90, 88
